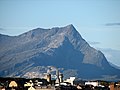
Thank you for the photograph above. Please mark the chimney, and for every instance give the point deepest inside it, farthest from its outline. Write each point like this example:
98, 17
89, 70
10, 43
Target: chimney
61, 77
57, 74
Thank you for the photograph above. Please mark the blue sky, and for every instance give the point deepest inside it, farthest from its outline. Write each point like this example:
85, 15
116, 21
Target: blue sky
98, 21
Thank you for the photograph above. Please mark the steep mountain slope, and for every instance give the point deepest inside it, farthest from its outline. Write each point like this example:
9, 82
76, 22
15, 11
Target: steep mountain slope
60, 47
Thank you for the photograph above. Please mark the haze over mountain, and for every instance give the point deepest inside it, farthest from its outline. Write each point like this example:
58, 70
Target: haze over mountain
60, 47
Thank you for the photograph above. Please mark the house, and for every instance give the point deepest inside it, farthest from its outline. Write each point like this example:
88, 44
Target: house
31, 88
94, 83
70, 80
13, 84
28, 84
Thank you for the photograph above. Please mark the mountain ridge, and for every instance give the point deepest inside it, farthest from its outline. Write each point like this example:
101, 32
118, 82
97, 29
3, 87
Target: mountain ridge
61, 47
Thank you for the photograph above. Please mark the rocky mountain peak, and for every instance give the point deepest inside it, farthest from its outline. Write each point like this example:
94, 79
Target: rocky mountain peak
59, 46
70, 26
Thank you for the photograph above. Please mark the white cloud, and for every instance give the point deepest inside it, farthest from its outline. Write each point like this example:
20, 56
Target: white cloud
2, 29
112, 24
93, 43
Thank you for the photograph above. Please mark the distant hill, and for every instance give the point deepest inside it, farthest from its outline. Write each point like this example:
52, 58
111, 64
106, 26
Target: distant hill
60, 47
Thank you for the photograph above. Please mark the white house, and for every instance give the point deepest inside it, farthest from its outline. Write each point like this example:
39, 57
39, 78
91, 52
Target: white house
70, 80
94, 83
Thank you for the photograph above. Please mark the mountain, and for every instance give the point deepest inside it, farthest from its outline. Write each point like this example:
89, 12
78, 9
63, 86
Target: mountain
59, 47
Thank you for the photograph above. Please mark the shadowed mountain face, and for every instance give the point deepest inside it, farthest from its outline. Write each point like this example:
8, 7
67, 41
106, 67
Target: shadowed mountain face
60, 47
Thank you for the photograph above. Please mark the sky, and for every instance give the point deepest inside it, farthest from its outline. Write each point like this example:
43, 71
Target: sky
98, 21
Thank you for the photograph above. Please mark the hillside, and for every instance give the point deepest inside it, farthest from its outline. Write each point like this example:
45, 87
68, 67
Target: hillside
60, 47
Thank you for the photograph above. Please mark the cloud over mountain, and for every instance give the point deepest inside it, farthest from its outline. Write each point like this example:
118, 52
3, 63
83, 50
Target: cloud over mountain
2, 29
112, 24
93, 43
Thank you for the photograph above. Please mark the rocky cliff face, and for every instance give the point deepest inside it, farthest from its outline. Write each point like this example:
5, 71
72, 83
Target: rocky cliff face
60, 47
